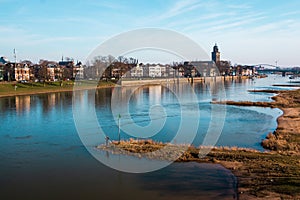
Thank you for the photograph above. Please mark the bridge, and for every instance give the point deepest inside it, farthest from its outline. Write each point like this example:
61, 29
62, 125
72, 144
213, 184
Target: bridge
275, 69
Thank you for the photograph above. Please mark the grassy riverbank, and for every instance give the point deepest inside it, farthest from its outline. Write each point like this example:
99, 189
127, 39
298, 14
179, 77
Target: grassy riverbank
14, 89
274, 174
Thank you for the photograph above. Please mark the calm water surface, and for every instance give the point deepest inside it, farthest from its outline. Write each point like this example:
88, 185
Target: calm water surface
42, 156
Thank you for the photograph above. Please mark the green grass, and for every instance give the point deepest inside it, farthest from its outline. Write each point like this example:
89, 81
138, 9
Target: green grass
31, 88
22, 88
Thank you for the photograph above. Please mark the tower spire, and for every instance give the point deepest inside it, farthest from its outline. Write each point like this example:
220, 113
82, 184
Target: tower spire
215, 55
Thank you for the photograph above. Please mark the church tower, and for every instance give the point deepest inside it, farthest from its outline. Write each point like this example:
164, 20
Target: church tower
215, 55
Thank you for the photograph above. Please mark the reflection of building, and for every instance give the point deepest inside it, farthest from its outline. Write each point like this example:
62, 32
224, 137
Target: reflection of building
215, 55
155, 94
52, 99
22, 103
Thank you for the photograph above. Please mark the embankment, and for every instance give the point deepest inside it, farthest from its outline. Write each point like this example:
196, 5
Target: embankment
163, 81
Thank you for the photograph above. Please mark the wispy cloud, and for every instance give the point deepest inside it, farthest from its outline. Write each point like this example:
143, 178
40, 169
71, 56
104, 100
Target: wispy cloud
10, 30
106, 4
290, 13
235, 24
239, 6
235, 21
283, 26
45, 26
183, 6
201, 19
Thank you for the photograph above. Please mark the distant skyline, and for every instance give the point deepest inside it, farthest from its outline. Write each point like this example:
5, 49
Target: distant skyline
247, 32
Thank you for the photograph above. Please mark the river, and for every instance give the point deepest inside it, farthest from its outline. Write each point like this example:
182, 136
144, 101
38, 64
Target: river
43, 157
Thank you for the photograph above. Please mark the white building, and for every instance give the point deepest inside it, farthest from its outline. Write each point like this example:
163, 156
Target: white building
247, 71
154, 71
78, 71
137, 72
163, 71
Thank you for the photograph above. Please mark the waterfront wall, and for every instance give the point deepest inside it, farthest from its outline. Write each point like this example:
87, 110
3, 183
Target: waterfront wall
134, 82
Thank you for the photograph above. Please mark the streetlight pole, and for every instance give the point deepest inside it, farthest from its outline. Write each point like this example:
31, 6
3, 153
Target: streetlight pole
15, 56
119, 130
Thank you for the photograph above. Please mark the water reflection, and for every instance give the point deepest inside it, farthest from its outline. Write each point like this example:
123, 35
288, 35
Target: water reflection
37, 109
42, 156
22, 104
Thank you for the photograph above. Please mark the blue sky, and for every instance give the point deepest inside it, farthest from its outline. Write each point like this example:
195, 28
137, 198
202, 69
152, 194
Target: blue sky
247, 32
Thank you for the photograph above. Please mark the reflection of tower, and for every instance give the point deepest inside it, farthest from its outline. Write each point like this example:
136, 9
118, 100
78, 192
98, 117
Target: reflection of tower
215, 55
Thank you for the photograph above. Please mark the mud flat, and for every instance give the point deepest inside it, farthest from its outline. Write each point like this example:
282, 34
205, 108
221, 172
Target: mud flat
286, 85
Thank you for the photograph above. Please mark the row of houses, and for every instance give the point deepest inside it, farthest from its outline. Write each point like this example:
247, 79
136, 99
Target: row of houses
53, 71
187, 69
44, 71
151, 71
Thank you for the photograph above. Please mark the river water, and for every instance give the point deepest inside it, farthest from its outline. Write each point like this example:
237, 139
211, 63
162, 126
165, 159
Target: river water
42, 156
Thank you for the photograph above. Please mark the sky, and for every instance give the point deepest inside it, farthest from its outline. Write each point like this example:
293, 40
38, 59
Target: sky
247, 32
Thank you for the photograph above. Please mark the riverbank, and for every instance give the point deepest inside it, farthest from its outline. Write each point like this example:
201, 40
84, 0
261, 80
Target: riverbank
286, 138
9, 89
164, 81
17, 89
274, 174
284, 146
